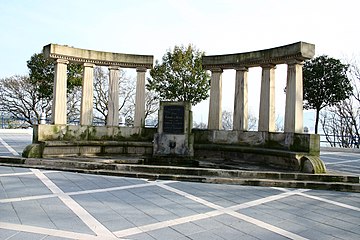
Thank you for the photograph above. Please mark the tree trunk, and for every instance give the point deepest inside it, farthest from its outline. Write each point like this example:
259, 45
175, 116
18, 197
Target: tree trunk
317, 120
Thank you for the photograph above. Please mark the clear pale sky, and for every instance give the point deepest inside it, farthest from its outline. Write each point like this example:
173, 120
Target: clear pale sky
153, 26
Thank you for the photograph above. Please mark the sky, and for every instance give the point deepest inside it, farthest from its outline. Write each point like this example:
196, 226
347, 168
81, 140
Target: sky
152, 27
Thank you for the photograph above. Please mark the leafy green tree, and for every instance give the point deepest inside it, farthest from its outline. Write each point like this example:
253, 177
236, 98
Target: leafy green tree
41, 73
180, 76
325, 84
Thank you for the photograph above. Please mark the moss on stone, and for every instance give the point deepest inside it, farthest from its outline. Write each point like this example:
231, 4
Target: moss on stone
273, 144
201, 135
33, 151
91, 133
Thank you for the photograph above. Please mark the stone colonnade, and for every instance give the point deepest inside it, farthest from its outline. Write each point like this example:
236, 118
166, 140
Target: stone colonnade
293, 55
89, 59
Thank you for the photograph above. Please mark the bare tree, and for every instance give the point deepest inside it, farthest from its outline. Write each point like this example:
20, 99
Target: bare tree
151, 104
200, 125
341, 123
279, 124
19, 99
73, 105
227, 120
127, 91
101, 94
252, 122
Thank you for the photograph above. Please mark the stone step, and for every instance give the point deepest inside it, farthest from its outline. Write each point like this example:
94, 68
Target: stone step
225, 173
173, 170
254, 178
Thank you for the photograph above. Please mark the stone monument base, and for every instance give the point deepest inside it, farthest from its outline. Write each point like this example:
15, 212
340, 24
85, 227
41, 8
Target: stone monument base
173, 145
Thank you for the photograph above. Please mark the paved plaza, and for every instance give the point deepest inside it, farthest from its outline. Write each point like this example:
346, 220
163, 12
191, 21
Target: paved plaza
42, 204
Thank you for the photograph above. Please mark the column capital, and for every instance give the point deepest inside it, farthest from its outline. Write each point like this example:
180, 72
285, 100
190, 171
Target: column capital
295, 61
91, 65
141, 69
114, 67
241, 68
216, 69
63, 61
268, 65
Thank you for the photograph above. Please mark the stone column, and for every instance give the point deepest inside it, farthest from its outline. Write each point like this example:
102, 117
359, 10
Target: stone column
59, 111
240, 118
267, 99
87, 95
113, 104
294, 98
139, 119
215, 114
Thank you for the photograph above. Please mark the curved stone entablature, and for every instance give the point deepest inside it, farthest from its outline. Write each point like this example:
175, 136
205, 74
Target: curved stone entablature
279, 55
99, 58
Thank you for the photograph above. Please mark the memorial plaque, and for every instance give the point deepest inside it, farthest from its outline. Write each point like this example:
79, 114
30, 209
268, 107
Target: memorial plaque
173, 121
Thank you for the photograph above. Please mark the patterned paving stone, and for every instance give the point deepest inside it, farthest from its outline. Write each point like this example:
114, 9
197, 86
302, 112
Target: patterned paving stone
53, 205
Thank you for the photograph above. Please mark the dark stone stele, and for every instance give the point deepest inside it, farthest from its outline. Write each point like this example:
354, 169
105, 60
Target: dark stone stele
173, 119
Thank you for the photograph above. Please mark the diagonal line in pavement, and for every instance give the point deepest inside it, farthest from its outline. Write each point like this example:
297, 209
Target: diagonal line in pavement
321, 199
342, 162
219, 211
47, 231
330, 201
19, 199
87, 218
8, 147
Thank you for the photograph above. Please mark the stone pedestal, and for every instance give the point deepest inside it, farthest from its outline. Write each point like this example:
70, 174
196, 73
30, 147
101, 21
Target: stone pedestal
139, 119
294, 98
215, 106
59, 111
174, 137
86, 112
267, 99
113, 104
240, 119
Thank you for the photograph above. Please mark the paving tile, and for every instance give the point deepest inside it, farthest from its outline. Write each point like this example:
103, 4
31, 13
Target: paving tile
166, 233
120, 223
73, 224
53, 238
188, 228
209, 223
335, 232
123, 209
7, 234
141, 236
97, 209
31, 213
7, 170
229, 233
55, 208
316, 235
352, 199
61, 181
222, 195
8, 213
25, 235
21, 186
208, 235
